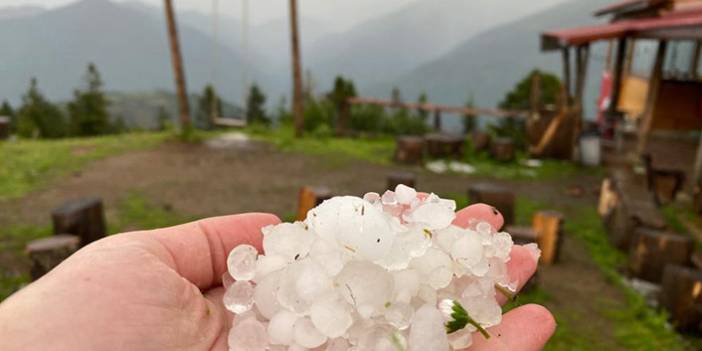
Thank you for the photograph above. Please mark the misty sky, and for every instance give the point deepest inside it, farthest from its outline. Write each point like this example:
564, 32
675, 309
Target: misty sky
343, 12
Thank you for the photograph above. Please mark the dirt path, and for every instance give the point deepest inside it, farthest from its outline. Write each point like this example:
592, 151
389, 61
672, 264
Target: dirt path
205, 181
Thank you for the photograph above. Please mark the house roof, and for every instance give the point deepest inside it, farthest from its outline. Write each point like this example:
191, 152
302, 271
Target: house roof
681, 24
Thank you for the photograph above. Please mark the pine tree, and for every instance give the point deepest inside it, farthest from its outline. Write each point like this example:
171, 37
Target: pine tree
423, 99
6, 110
209, 106
255, 112
88, 110
37, 117
469, 120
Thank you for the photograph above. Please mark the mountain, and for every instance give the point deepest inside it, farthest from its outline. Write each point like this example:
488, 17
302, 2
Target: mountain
129, 47
388, 46
489, 64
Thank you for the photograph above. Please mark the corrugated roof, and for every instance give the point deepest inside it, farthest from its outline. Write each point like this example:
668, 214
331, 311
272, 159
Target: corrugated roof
582, 35
622, 5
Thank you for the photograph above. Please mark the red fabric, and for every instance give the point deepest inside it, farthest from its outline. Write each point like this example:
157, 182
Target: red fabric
605, 96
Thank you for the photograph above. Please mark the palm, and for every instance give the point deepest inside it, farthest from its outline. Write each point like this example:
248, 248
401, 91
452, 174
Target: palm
161, 290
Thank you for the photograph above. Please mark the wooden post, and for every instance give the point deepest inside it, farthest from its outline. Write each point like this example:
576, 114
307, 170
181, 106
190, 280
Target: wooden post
694, 63
566, 72
548, 226
654, 250
653, 88
47, 253
681, 295
406, 178
298, 99
494, 195
409, 149
84, 218
581, 61
178, 70
617, 75
309, 198
437, 120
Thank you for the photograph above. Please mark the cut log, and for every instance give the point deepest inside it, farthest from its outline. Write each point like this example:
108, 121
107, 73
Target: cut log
494, 195
548, 226
480, 140
502, 149
309, 197
407, 178
409, 149
83, 217
681, 295
654, 250
445, 145
48, 252
608, 199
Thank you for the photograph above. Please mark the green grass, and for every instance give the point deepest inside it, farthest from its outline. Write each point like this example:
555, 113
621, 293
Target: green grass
26, 165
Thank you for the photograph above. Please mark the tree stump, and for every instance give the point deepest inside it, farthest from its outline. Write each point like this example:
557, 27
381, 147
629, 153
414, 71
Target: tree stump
309, 198
4, 127
83, 217
654, 250
445, 145
407, 178
48, 252
681, 296
409, 149
548, 226
522, 235
502, 149
480, 141
494, 195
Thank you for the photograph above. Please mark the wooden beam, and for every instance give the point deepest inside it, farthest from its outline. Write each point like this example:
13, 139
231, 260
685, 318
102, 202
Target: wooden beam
460, 110
653, 88
694, 62
566, 72
298, 107
617, 75
178, 70
582, 58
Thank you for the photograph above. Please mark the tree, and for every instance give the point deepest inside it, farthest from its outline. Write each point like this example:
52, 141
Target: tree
209, 107
255, 113
343, 90
163, 119
423, 99
88, 110
37, 117
469, 120
6, 110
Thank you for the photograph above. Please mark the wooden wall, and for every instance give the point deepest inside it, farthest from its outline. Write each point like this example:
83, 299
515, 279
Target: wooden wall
679, 106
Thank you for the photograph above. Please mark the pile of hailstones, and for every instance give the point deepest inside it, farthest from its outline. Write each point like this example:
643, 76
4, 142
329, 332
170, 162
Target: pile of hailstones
383, 272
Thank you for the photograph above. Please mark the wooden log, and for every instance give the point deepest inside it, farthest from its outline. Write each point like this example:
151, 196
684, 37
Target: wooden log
407, 178
309, 197
654, 250
480, 140
47, 253
502, 149
83, 217
522, 235
608, 199
4, 127
409, 149
444, 145
494, 195
548, 226
681, 295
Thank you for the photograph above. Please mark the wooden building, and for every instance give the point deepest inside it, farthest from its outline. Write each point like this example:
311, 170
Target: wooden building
653, 79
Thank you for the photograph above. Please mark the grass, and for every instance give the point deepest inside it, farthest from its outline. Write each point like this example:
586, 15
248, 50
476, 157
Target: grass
134, 212
26, 165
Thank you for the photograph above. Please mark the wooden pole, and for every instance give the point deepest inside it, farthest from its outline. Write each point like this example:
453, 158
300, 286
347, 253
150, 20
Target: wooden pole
617, 75
694, 63
566, 73
653, 88
582, 58
178, 70
535, 96
437, 120
298, 107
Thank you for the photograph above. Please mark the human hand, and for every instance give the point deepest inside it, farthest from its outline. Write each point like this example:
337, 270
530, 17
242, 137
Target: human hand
161, 289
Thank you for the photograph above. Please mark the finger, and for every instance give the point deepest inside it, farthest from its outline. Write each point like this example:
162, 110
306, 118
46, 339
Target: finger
479, 212
198, 251
520, 267
526, 328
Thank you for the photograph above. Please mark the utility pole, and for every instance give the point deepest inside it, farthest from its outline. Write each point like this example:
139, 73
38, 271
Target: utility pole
178, 71
298, 109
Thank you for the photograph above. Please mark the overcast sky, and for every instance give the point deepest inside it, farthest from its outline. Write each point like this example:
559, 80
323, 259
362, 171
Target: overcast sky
343, 12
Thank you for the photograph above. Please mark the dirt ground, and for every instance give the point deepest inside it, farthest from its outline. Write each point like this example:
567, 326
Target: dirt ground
204, 181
